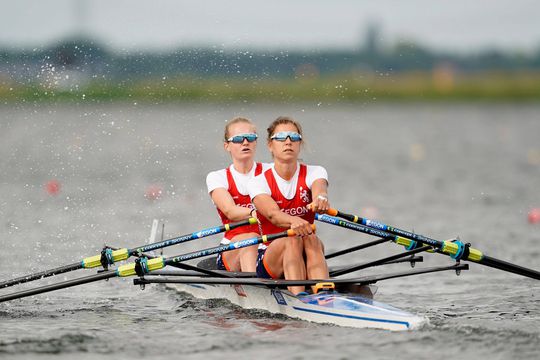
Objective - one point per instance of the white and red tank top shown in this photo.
(239, 200)
(296, 206)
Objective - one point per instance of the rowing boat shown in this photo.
(335, 308)
(350, 308)
(337, 300)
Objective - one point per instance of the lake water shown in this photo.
(442, 170)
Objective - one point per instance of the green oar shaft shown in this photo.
(124, 253)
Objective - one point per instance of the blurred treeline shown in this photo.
(83, 69)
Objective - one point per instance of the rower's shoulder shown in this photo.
(216, 175)
(315, 172)
(315, 168)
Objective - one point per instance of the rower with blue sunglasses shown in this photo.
(228, 190)
(283, 135)
(239, 139)
(287, 196)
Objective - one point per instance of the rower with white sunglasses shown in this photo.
(287, 196)
(228, 190)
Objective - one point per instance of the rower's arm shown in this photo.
(319, 192)
(224, 202)
(267, 207)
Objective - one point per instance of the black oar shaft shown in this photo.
(58, 286)
(474, 254)
(41, 275)
(506, 266)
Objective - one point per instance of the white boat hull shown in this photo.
(349, 310)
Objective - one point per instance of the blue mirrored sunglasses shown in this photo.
(283, 135)
(238, 139)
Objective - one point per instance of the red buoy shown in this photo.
(52, 187)
(153, 192)
(534, 216)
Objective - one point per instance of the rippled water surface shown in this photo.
(441, 170)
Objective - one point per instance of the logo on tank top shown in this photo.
(297, 211)
(304, 195)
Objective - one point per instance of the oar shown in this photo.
(142, 265)
(455, 248)
(110, 256)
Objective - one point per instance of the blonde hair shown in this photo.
(280, 121)
(233, 121)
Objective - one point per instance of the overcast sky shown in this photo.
(462, 25)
